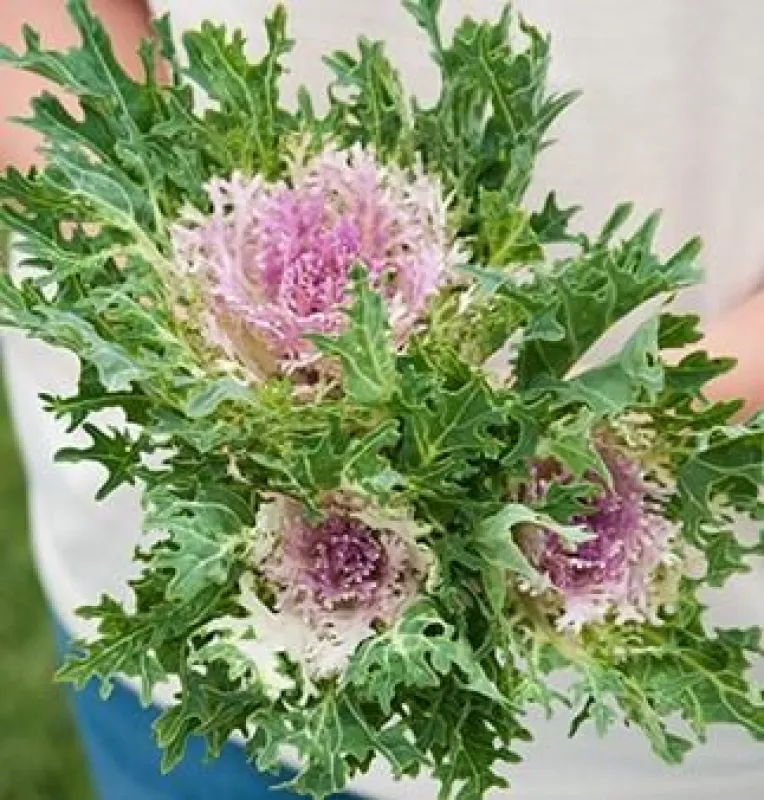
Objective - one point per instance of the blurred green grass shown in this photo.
(40, 757)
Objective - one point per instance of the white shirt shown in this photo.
(672, 117)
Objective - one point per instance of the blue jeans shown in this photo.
(124, 759)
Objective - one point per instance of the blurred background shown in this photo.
(40, 758)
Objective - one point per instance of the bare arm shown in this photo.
(740, 333)
(127, 21)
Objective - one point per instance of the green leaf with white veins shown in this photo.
(702, 677)
(117, 452)
(246, 95)
(205, 401)
(480, 739)
(450, 426)
(365, 350)
(375, 112)
(91, 397)
(570, 442)
(213, 714)
(364, 463)
(99, 191)
(336, 736)
(202, 541)
(417, 652)
(506, 236)
(585, 296)
(493, 539)
(550, 224)
(90, 70)
(600, 687)
(678, 330)
(731, 464)
(102, 660)
(726, 555)
(117, 369)
(632, 376)
(494, 109)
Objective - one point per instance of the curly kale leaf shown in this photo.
(728, 466)
(418, 652)
(118, 452)
(202, 541)
(494, 110)
(573, 305)
(702, 674)
(368, 104)
(248, 115)
(365, 350)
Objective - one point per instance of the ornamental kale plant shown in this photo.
(386, 504)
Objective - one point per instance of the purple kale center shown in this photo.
(628, 540)
(615, 517)
(344, 561)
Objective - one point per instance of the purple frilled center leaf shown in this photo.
(343, 562)
(334, 581)
(612, 573)
(274, 260)
(344, 570)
